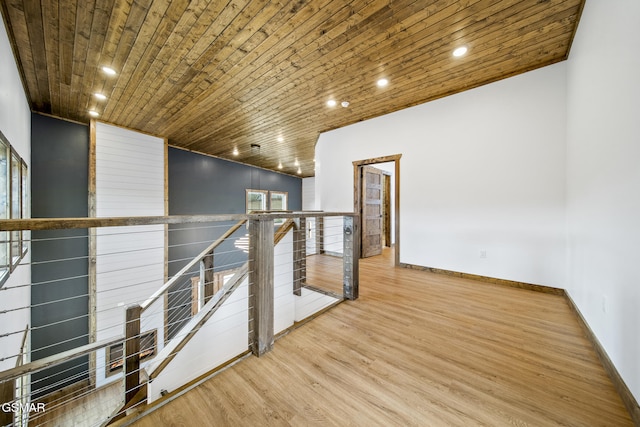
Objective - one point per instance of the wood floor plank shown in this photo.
(415, 349)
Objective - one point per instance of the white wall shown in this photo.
(130, 262)
(603, 179)
(483, 170)
(309, 194)
(223, 337)
(15, 123)
(390, 169)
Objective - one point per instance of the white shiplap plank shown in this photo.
(130, 260)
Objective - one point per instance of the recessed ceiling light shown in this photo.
(93, 113)
(382, 82)
(344, 104)
(331, 103)
(280, 139)
(296, 163)
(280, 165)
(235, 152)
(299, 171)
(100, 96)
(109, 71)
(460, 51)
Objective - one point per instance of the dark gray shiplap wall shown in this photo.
(59, 295)
(207, 185)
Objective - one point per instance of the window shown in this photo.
(256, 200)
(262, 200)
(278, 201)
(115, 359)
(14, 204)
(4, 207)
(198, 291)
(16, 207)
(25, 205)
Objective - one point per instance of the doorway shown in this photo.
(369, 203)
(372, 205)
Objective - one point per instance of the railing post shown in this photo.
(351, 257)
(6, 396)
(299, 255)
(261, 285)
(132, 352)
(320, 235)
(207, 276)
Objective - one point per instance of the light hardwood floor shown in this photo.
(417, 349)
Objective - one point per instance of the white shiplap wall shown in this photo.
(129, 172)
(130, 179)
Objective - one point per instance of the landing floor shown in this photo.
(417, 349)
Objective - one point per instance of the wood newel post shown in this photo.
(299, 255)
(261, 285)
(207, 276)
(351, 257)
(132, 352)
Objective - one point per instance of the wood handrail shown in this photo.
(69, 223)
(283, 230)
(145, 305)
(57, 359)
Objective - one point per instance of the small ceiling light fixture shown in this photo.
(382, 82)
(109, 71)
(296, 163)
(460, 51)
(93, 113)
(331, 103)
(299, 171)
(280, 165)
(100, 96)
(344, 104)
(280, 139)
(235, 152)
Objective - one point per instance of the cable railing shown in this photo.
(155, 303)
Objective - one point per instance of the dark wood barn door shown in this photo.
(371, 211)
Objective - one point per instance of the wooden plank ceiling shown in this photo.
(219, 75)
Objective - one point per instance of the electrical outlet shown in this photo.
(483, 254)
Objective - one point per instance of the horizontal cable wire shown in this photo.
(181, 295)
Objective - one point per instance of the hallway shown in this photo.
(416, 349)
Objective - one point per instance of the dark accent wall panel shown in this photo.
(59, 295)
(201, 184)
(204, 185)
